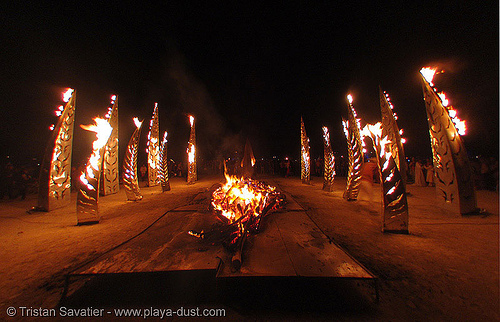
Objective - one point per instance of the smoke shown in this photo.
(184, 94)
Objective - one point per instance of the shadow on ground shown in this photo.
(251, 297)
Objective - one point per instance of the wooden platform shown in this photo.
(289, 244)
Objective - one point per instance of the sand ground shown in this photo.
(447, 268)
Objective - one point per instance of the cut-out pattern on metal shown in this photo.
(54, 183)
(110, 169)
(87, 206)
(305, 156)
(391, 130)
(355, 154)
(192, 175)
(130, 181)
(163, 169)
(452, 169)
(329, 162)
(394, 204)
(153, 148)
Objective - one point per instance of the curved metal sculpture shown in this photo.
(153, 148)
(248, 162)
(163, 169)
(54, 182)
(329, 171)
(192, 175)
(87, 210)
(110, 171)
(355, 153)
(130, 182)
(394, 204)
(391, 130)
(305, 156)
(452, 169)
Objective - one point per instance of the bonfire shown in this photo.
(240, 206)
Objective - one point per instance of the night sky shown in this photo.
(245, 71)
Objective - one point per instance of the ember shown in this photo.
(240, 205)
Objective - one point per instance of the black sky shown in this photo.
(245, 70)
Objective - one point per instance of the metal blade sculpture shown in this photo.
(192, 175)
(452, 169)
(248, 162)
(305, 156)
(163, 169)
(355, 153)
(87, 210)
(394, 204)
(391, 130)
(130, 182)
(54, 183)
(110, 178)
(329, 171)
(153, 148)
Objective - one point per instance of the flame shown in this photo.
(374, 131)
(67, 95)
(345, 125)
(349, 98)
(108, 115)
(191, 120)
(137, 123)
(103, 131)
(428, 74)
(191, 153)
(443, 98)
(239, 197)
(326, 135)
(460, 125)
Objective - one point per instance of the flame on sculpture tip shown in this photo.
(443, 98)
(428, 74)
(191, 120)
(349, 98)
(137, 123)
(103, 130)
(67, 95)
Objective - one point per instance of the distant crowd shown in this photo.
(19, 181)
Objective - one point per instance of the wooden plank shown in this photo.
(311, 253)
(166, 246)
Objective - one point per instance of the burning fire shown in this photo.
(191, 120)
(137, 123)
(238, 197)
(241, 204)
(67, 95)
(428, 73)
(191, 153)
(403, 140)
(349, 98)
(103, 131)
(110, 109)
